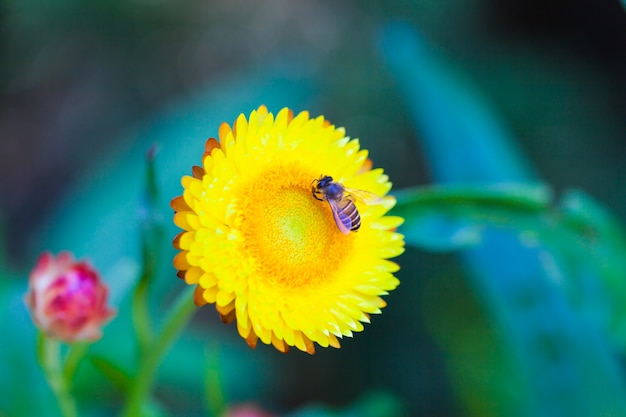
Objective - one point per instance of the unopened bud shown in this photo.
(67, 299)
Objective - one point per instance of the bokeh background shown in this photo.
(87, 86)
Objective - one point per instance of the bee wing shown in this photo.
(343, 221)
(364, 197)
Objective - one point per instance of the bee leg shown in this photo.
(315, 192)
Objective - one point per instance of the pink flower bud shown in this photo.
(67, 298)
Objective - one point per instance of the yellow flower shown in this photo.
(265, 251)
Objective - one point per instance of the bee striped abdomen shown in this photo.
(349, 209)
(341, 202)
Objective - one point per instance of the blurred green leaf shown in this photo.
(152, 237)
(587, 257)
(592, 245)
(376, 404)
(561, 360)
(480, 367)
(463, 139)
(371, 404)
(588, 243)
(117, 376)
(21, 378)
(452, 217)
(586, 261)
(182, 375)
(214, 390)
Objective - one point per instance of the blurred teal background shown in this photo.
(474, 92)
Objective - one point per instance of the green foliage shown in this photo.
(581, 250)
(586, 241)
(18, 359)
(372, 404)
(453, 216)
(479, 366)
(548, 278)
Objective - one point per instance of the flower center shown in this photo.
(291, 236)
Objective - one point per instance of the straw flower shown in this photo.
(267, 251)
(67, 299)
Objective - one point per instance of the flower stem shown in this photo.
(74, 356)
(141, 315)
(50, 360)
(180, 313)
(213, 384)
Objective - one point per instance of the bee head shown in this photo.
(319, 185)
(324, 181)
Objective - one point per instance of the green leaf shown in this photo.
(520, 270)
(587, 257)
(372, 404)
(376, 404)
(114, 373)
(593, 249)
(22, 378)
(479, 366)
(451, 217)
(152, 239)
(461, 134)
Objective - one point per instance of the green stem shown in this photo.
(140, 386)
(518, 196)
(141, 314)
(74, 356)
(50, 360)
(213, 384)
(152, 234)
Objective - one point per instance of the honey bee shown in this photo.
(341, 200)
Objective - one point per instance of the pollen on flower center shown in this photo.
(290, 234)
